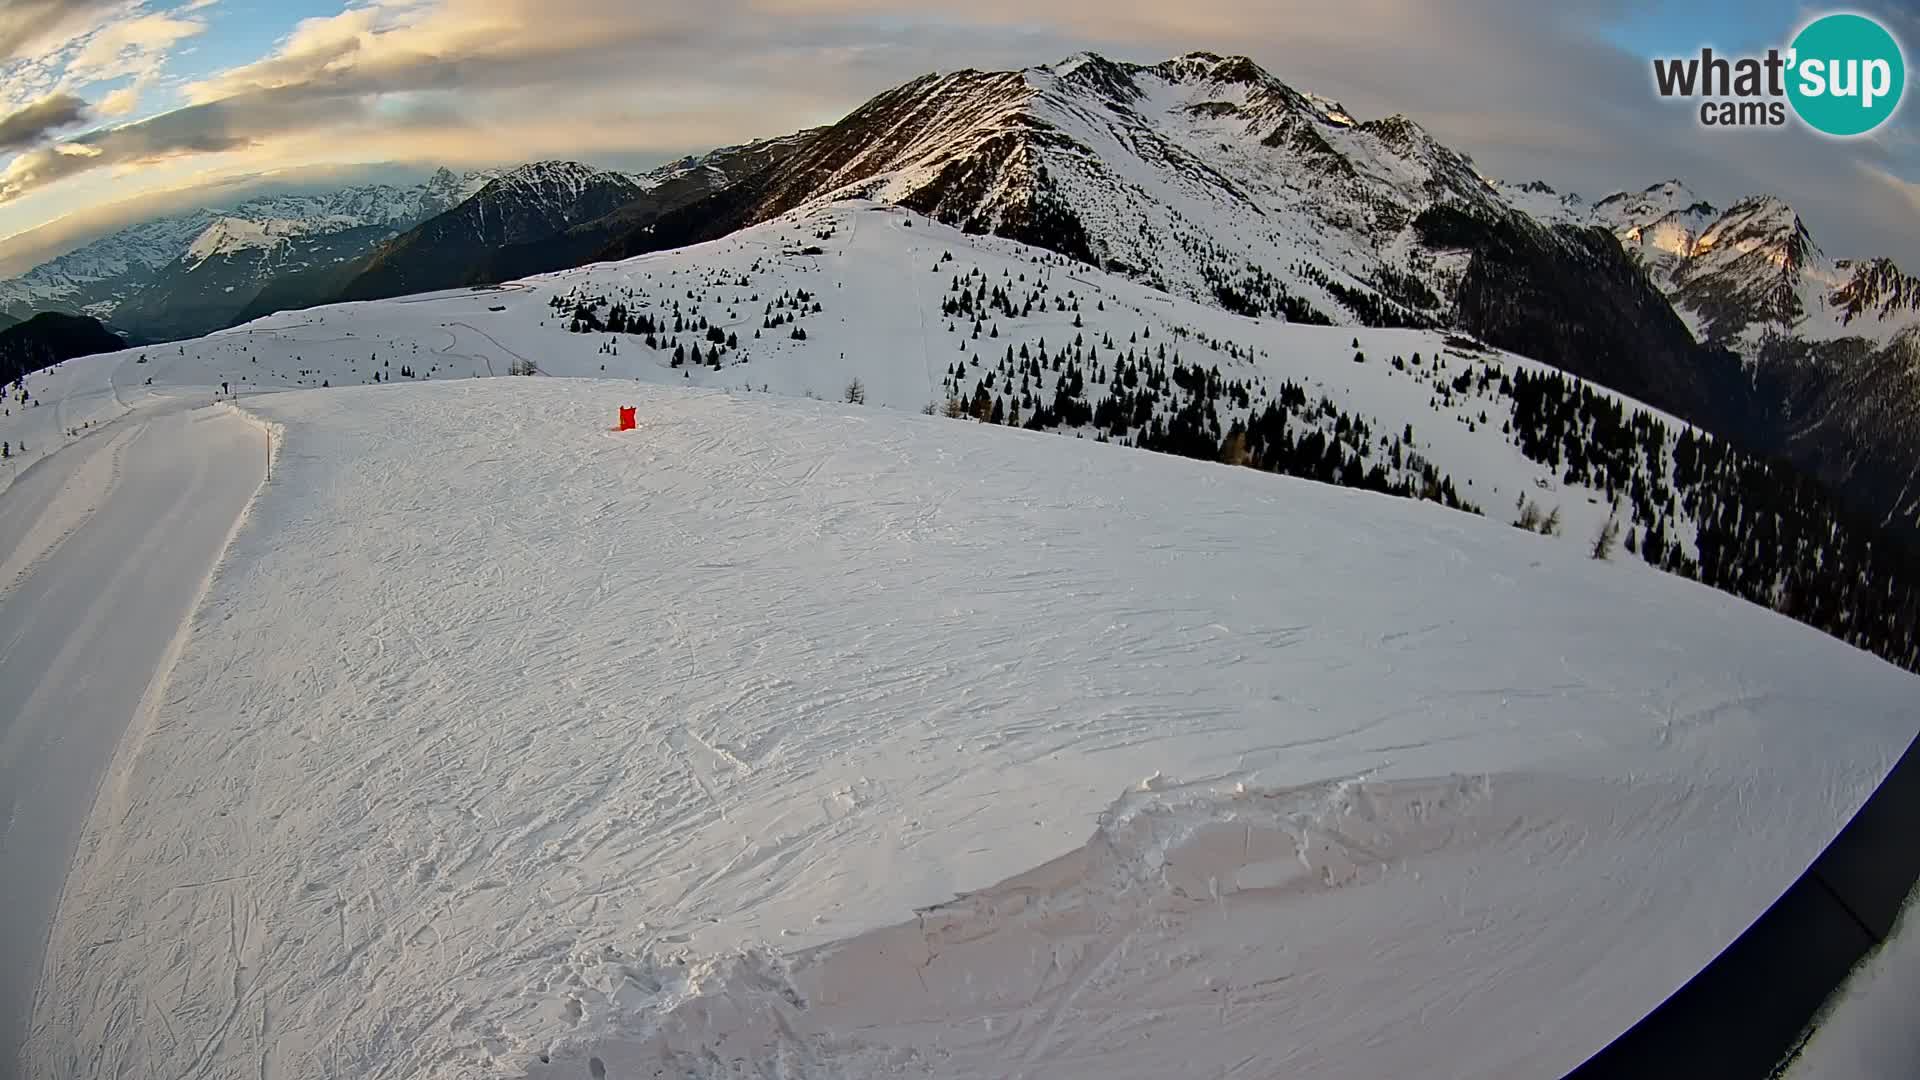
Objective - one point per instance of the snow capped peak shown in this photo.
(1876, 287)
(445, 188)
(552, 182)
(1213, 67)
(230, 234)
(1203, 173)
(1400, 131)
(1766, 210)
(1543, 202)
(1743, 274)
(1093, 73)
(1074, 63)
(548, 173)
(1763, 224)
(549, 170)
(1661, 224)
(1665, 195)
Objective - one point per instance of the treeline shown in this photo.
(706, 343)
(1146, 396)
(1762, 531)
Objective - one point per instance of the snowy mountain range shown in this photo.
(222, 251)
(543, 216)
(1741, 275)
(1204, 177)
(191, 273)
(1065, 729)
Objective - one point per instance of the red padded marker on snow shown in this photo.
(627, 422)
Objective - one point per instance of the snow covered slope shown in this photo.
(1542, 202)
(924, 316)
(883, 280)
(104, 552)
(672, 749)
(1204, 174)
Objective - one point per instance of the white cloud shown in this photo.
(35, 28)
(121, 102)
(130, 46)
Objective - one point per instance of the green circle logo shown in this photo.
(1846, 74)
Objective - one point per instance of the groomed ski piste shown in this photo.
(804, 738)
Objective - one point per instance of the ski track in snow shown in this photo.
(501, 736)
(108, 548)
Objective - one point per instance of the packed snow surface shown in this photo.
(104, 551)
(789, 738)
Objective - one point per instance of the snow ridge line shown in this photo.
(276, 434)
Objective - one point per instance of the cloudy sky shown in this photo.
(112, 108)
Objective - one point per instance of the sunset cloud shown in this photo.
(30, 125)
(30, 28)
(130, 46)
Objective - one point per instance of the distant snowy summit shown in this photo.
(273, 234)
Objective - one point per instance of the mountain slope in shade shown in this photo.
(216, 281)
(545, 216)
(524, 204)
(1573, 298)
(49, 338)
(1807, 357)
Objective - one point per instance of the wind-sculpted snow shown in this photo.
(791, 738)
